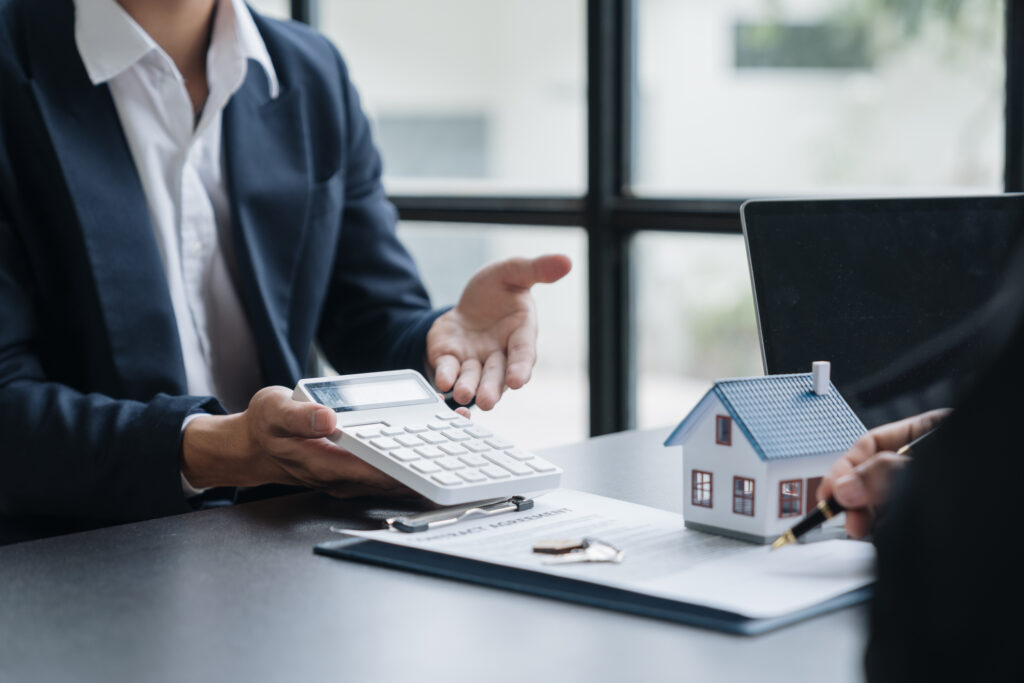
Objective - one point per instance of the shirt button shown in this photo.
(196, 248)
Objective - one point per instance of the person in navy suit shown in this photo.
(190, 208)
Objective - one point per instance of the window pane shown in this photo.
(553, 407)
(723, 428)
(695, 320)
(790, 497)
(743, 496)
(470, 95)
(701, 489)
(748, 97)
(280, 9)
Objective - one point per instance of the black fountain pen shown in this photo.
(827, 509)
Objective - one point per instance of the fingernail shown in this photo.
(321, 421)
(850, 491)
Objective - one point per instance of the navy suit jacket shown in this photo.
(92, 384)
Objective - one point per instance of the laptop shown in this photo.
(892, 291)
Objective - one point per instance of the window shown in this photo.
(470, 97)
(701, 494)
(645, 124)
(723, 430)
(761, 97)
(743, 496)
(790, 498)
(695, 320)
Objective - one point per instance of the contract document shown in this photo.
(668, 571)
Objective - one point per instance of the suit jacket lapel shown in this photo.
(110, 207)
(269, 178)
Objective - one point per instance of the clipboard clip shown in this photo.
(434, 518)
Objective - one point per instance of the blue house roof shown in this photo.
(781, 416)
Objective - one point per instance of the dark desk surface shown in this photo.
(237, 594)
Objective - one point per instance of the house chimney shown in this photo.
(820, 371)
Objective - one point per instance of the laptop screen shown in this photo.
(888, 290)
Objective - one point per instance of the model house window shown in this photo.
(790, 498)
(743, 496)
(701, 489)
(723, 430)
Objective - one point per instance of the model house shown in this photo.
(755, 449)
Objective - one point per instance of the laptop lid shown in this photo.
(889, 290)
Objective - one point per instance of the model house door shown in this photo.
(812, 492)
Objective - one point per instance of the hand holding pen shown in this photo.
(861, 479)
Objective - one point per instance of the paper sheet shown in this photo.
(662, 557)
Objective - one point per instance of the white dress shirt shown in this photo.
(179, 162)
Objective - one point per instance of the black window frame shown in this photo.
(611, 216)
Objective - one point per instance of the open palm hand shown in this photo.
(489, 339)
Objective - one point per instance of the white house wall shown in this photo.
(700, 452)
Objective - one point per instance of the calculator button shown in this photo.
(368, 433)
(408, 440)
(513, 466)
(474, 460)
(519, 454)
(456, 435)
(495, 472)
(438, 426)
(431, 437)
(472, 476)
(415, 429)
(426, 467)
(450, 464)
(403, 455)
(392, 431)
(384, 444)
(429, 451)
(541, 465)
(452, 448)
(447, 479)
(461, 422)
(446, 416)
(500, 444)
(478, 432)
(477, 446)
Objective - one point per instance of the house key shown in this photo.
(583, 550)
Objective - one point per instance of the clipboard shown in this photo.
(570, 590)
(669, 572)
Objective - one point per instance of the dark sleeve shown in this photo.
(65, 453)
(376, 313)
(949, 593)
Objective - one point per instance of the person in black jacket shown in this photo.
(945, 520)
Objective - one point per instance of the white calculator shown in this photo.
(396, 422)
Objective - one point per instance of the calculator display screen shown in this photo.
(366, 393)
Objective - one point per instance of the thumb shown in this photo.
(870, 482)
(525, 273)
(285, 416)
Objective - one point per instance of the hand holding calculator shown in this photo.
(397, 423)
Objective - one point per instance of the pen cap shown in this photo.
(821, 371)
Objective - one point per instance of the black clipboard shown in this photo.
(432, 563)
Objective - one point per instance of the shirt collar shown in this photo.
(109, 41)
